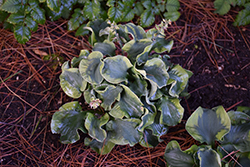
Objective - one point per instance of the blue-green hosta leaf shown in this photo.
(178, 80)
(172, 5)
(129, 105)
(173, 16)
(244, 109)
(100, 147)
(67, 121)
(11, 6)
(207, 125)
(171, 111)
(109, 94)
(243, 17)
(143, 57)
(114, 69)
(147, 119)
(156, 71)
(72, 83)
(54, 5)
(128, 14)
(16, 18)
(22, 33)
(162, 45)
(208, 157)
(38, 14)
(30, 23)
(239, 136)
(89, 94)
(149, 139)
(222, 6)
(76, 20)
(175, 157)
(147, 18)
(137, 32)
(124, 131)
(115, 14)
(238, 118)
(76, 60)
(90, 68)
(135, 49)
(106, 48)
(94, 126)
(92, 9)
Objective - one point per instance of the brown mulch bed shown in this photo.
(205, 43)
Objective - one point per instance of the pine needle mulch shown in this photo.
(30, 92)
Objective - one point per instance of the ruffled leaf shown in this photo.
(67, 121)
(129, 105)
(209, 157)
(156, 71)
(90, 68)
(72, 82)
(94, 126)
(106, 48)
(124, 131)
(114, 69)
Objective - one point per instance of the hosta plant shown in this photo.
(231, 131)
(133, 92)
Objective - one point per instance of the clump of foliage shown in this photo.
(23, 16)
(231, 131)
(134, 95)
(223, 6)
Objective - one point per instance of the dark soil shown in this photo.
(207, 44)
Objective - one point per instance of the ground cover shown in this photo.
(205, 43)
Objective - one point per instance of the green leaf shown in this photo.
(76, 20)
(135, 49)
(156, 71)
(81, 31)
(11, 6)
(129, 105)
(94, 126)
(239, 136)
(30, 23)
(162, 45)
(149, 139)
(137, 32)
(22, 33)
(172, 5)
(54, 5)
(114, 69)
(16, 18)
(90, 68)
(208, 157)
(128, 14)
(222, 6)
(173, 16)
(76, 60)
(138, 9)
(38, 14)
(72, 83)
(124, 131)
(207, 125)
(92, 9)
(147, 18)
(171, 111)
(178, 80)
(106, 48)
(243, 17)
(100, 147)
(175, 157)
(238, 118)
(115, 14)
(147, 119)
(109, 95)
(67, 121)
(3, 16)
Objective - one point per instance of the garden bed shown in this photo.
(205, 43)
